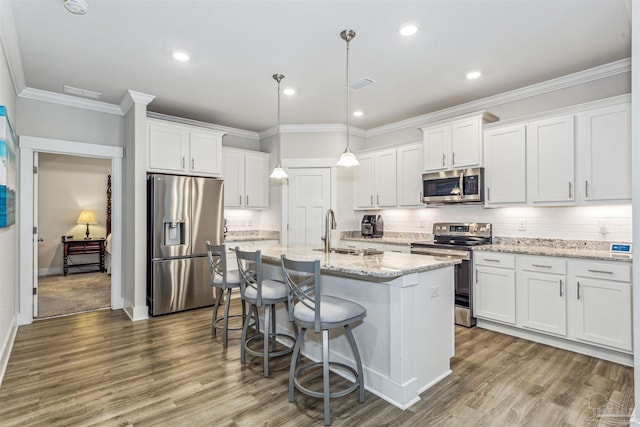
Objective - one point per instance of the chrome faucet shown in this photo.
(329, 224)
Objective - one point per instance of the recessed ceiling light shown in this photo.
(358, 113)
(77, 7)
(408, 29)
(289, 91)
(180, 56)
(473, 75)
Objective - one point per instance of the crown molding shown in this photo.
(11, 47)
(317, 128)
(227, 130)
(70, 101)
(581, 77)
(132, 97)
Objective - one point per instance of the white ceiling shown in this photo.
(236, 46)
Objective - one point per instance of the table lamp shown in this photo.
(87, 217)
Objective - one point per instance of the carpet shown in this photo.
(75, 293)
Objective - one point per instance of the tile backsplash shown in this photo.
(599, 223)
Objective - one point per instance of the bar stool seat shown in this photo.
(261, 293)
(225, 282)
(309, 309)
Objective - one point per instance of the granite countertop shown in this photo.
(556, 251)
(247, 236)
(390, 237)
(387, 240)
(387, 265)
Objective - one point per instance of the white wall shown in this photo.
(67, 185)
(9, 286)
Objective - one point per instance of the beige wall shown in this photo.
(67, 185)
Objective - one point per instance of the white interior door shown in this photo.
(309, 199)
(36, 240)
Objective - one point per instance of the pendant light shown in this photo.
(347, 158)
(278, 171)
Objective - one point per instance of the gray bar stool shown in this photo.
(261, 293)
(311, 310)
(226, 282)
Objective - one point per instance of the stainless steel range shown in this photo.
(456, 240)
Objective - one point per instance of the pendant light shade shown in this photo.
(278, 171)
(347, 158)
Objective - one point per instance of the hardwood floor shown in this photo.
(99, 368)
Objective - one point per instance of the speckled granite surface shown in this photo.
(387, 265)
(244, 236)
(581, 249)
(390, 237)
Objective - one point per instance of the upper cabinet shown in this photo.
(604, 140)
(454, 144)
(409, 161)
(246, 178)
(505, 157)
(183, 149)
(550, 160)
(375, 179)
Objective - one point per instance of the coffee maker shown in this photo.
(371, 226)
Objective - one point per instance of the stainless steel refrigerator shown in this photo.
(183, 212)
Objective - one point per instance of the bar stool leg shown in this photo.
(225, 331)
(356, 355)
(294, 360)
(245, 327)
(219, 293)
(325, 375)
(273, 327)
(267, 324)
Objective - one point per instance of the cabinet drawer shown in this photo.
(543, 264)
(604, 270)
(494, 259)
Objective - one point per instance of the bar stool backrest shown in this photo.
(217, 264)
(303, 280)
(250, 269)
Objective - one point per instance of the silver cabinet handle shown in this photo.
(193, 163)
(488, 194)
(578, 290)
(453, 159)
(240, 199)
(443, 156)
(586, 188)
(491, 260)
(476, 276)
(561, 288)
(600, 271)
(247, 200)
(541, 266)
(377, 199)
(420, 199)
(183, 162)
(371, 197)
(570, 190)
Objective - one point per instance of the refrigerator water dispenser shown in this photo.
(173, 233)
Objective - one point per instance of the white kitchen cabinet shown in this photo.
(455, 144)
(604, 143)
(410, 169)
(183, 149)
(603, 304)
(550, 160)
(542, 294)
(505, 165)
(375, 180)
(495, 287)
(246, 178)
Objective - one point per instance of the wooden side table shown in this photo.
(83, 247)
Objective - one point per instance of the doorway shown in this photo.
(65, 187)
(309, 199)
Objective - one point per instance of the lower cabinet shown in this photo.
(495, 287)
(582, 301)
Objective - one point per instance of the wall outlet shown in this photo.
(602, 227)
(435, 291)
(522, 225)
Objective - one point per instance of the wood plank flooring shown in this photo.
(99, 368)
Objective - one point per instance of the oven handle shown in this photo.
(461, 184)
(464, 256)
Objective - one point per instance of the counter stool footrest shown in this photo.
(271, 353)
(333, 394)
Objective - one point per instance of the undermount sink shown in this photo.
(354, 251)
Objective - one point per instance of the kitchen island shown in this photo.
(407, 338)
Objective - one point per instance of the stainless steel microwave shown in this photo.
(456, 186)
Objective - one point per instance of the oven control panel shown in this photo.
(471, 229)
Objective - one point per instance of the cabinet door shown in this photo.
(410, 166)
(605, 145)
(542, 302)
(603, 312)
(466, 143)
(495, 294)
(205, 152)
(168, 147)
(385, 178)
(233, 175)
(436, 143)
(256, 184)
(364, 182)
(550, 159)
(505, 161)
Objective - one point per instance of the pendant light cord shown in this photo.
(348, 95)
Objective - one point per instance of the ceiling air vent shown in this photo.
(82, 92)
(363, 82)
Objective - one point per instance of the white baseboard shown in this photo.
(7, 346)
(136, 313)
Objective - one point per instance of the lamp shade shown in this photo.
(87, 217)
